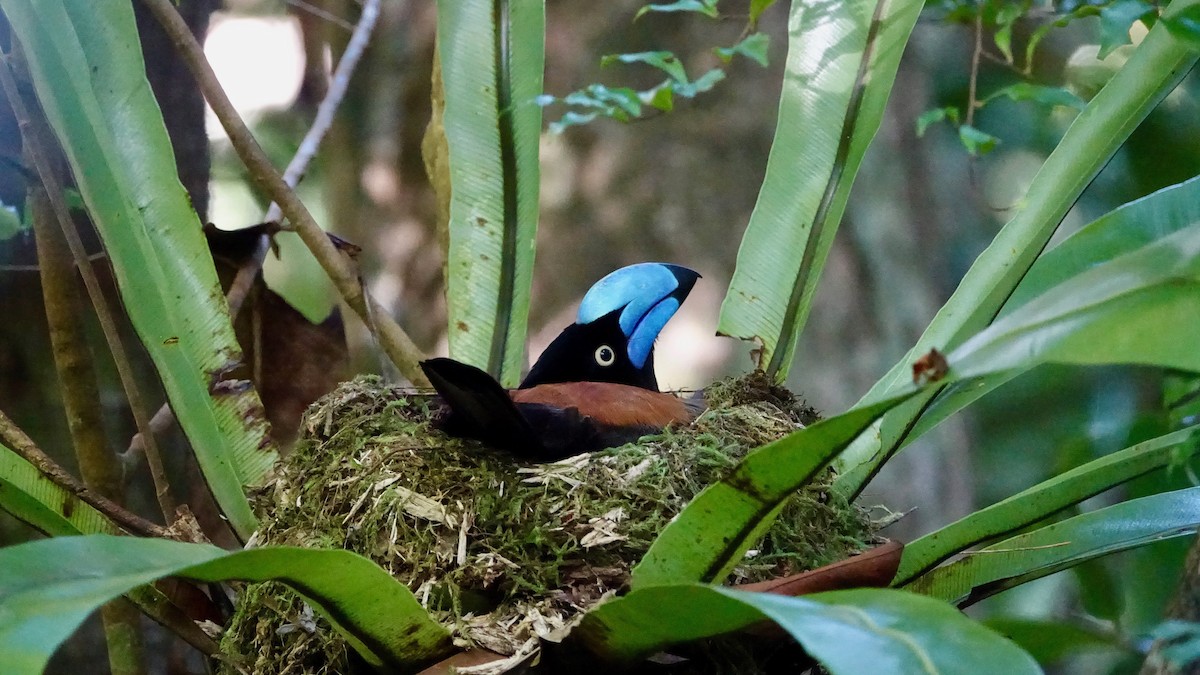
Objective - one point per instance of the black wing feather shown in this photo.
(480, 408)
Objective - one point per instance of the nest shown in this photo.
(502, 551)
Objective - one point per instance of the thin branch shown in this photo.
(18, 442)
(243, 281)
(156, 605)
(972, 103)
(159, 423)
(296, 168)
(395, 342)
(149, 600)
(338, 85)
(320, 13)
(33, 135)
(93, 257)
(81, 402)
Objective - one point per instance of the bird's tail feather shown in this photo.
(480, 408)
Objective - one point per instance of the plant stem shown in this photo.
(340, 82)
(395, 342)
(16, 440)
(243, 281)
(338, 85)
(37, 138)
(81, 400)
(972, 103)
(123, 637)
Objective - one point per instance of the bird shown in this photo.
(592, 388)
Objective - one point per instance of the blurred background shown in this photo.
(680, 187)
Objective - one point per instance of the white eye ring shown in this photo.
(605, 356)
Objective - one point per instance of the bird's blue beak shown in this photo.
(648, 294)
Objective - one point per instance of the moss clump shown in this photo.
(500, 550)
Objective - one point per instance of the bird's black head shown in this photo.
(591, 352)
(613, 338)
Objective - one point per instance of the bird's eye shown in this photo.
(605, 355)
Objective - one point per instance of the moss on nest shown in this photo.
(501, 550)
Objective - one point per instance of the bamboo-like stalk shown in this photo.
(72, 357)
(396, 343)
(81, 401)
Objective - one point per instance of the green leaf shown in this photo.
(492, 56)
(871, 630)
(1044, 499)
(1112, 313)
(1120, 231)
(10, 222)
(621, 104)
(1006, 16)
(1035, 39)
(1115, 20)
(706, 7)
(935, 115)
(49, 587)
(1039, 93)
(87, 69)
(1126, 228)
(1184, 24)
(583, 99)
(664, 61)
(842, 60)
(33, 499)
(661, 97)
(711, 535)
(1100, 591)
(954, 398)
(754, 47)
(1056, 547)
(572, 119)
(36, 501)
(702, 84)
(975, 141)
(849, 632)
(622, 97)
(1174, 629)
(1153, 70)
(1181, 397)
(757, 7)
(1052, 641)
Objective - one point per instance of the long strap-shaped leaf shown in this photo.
(712, 534)
(87, 68)
(1049, 497)
(1113, 313)
(491, 54)
(842, 61)
(1120, 231)
(31, 498)
(49, 587)
(1064, 544)
(1155, 67)
(849, 632)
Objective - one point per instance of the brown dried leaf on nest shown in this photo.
(504, 552)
